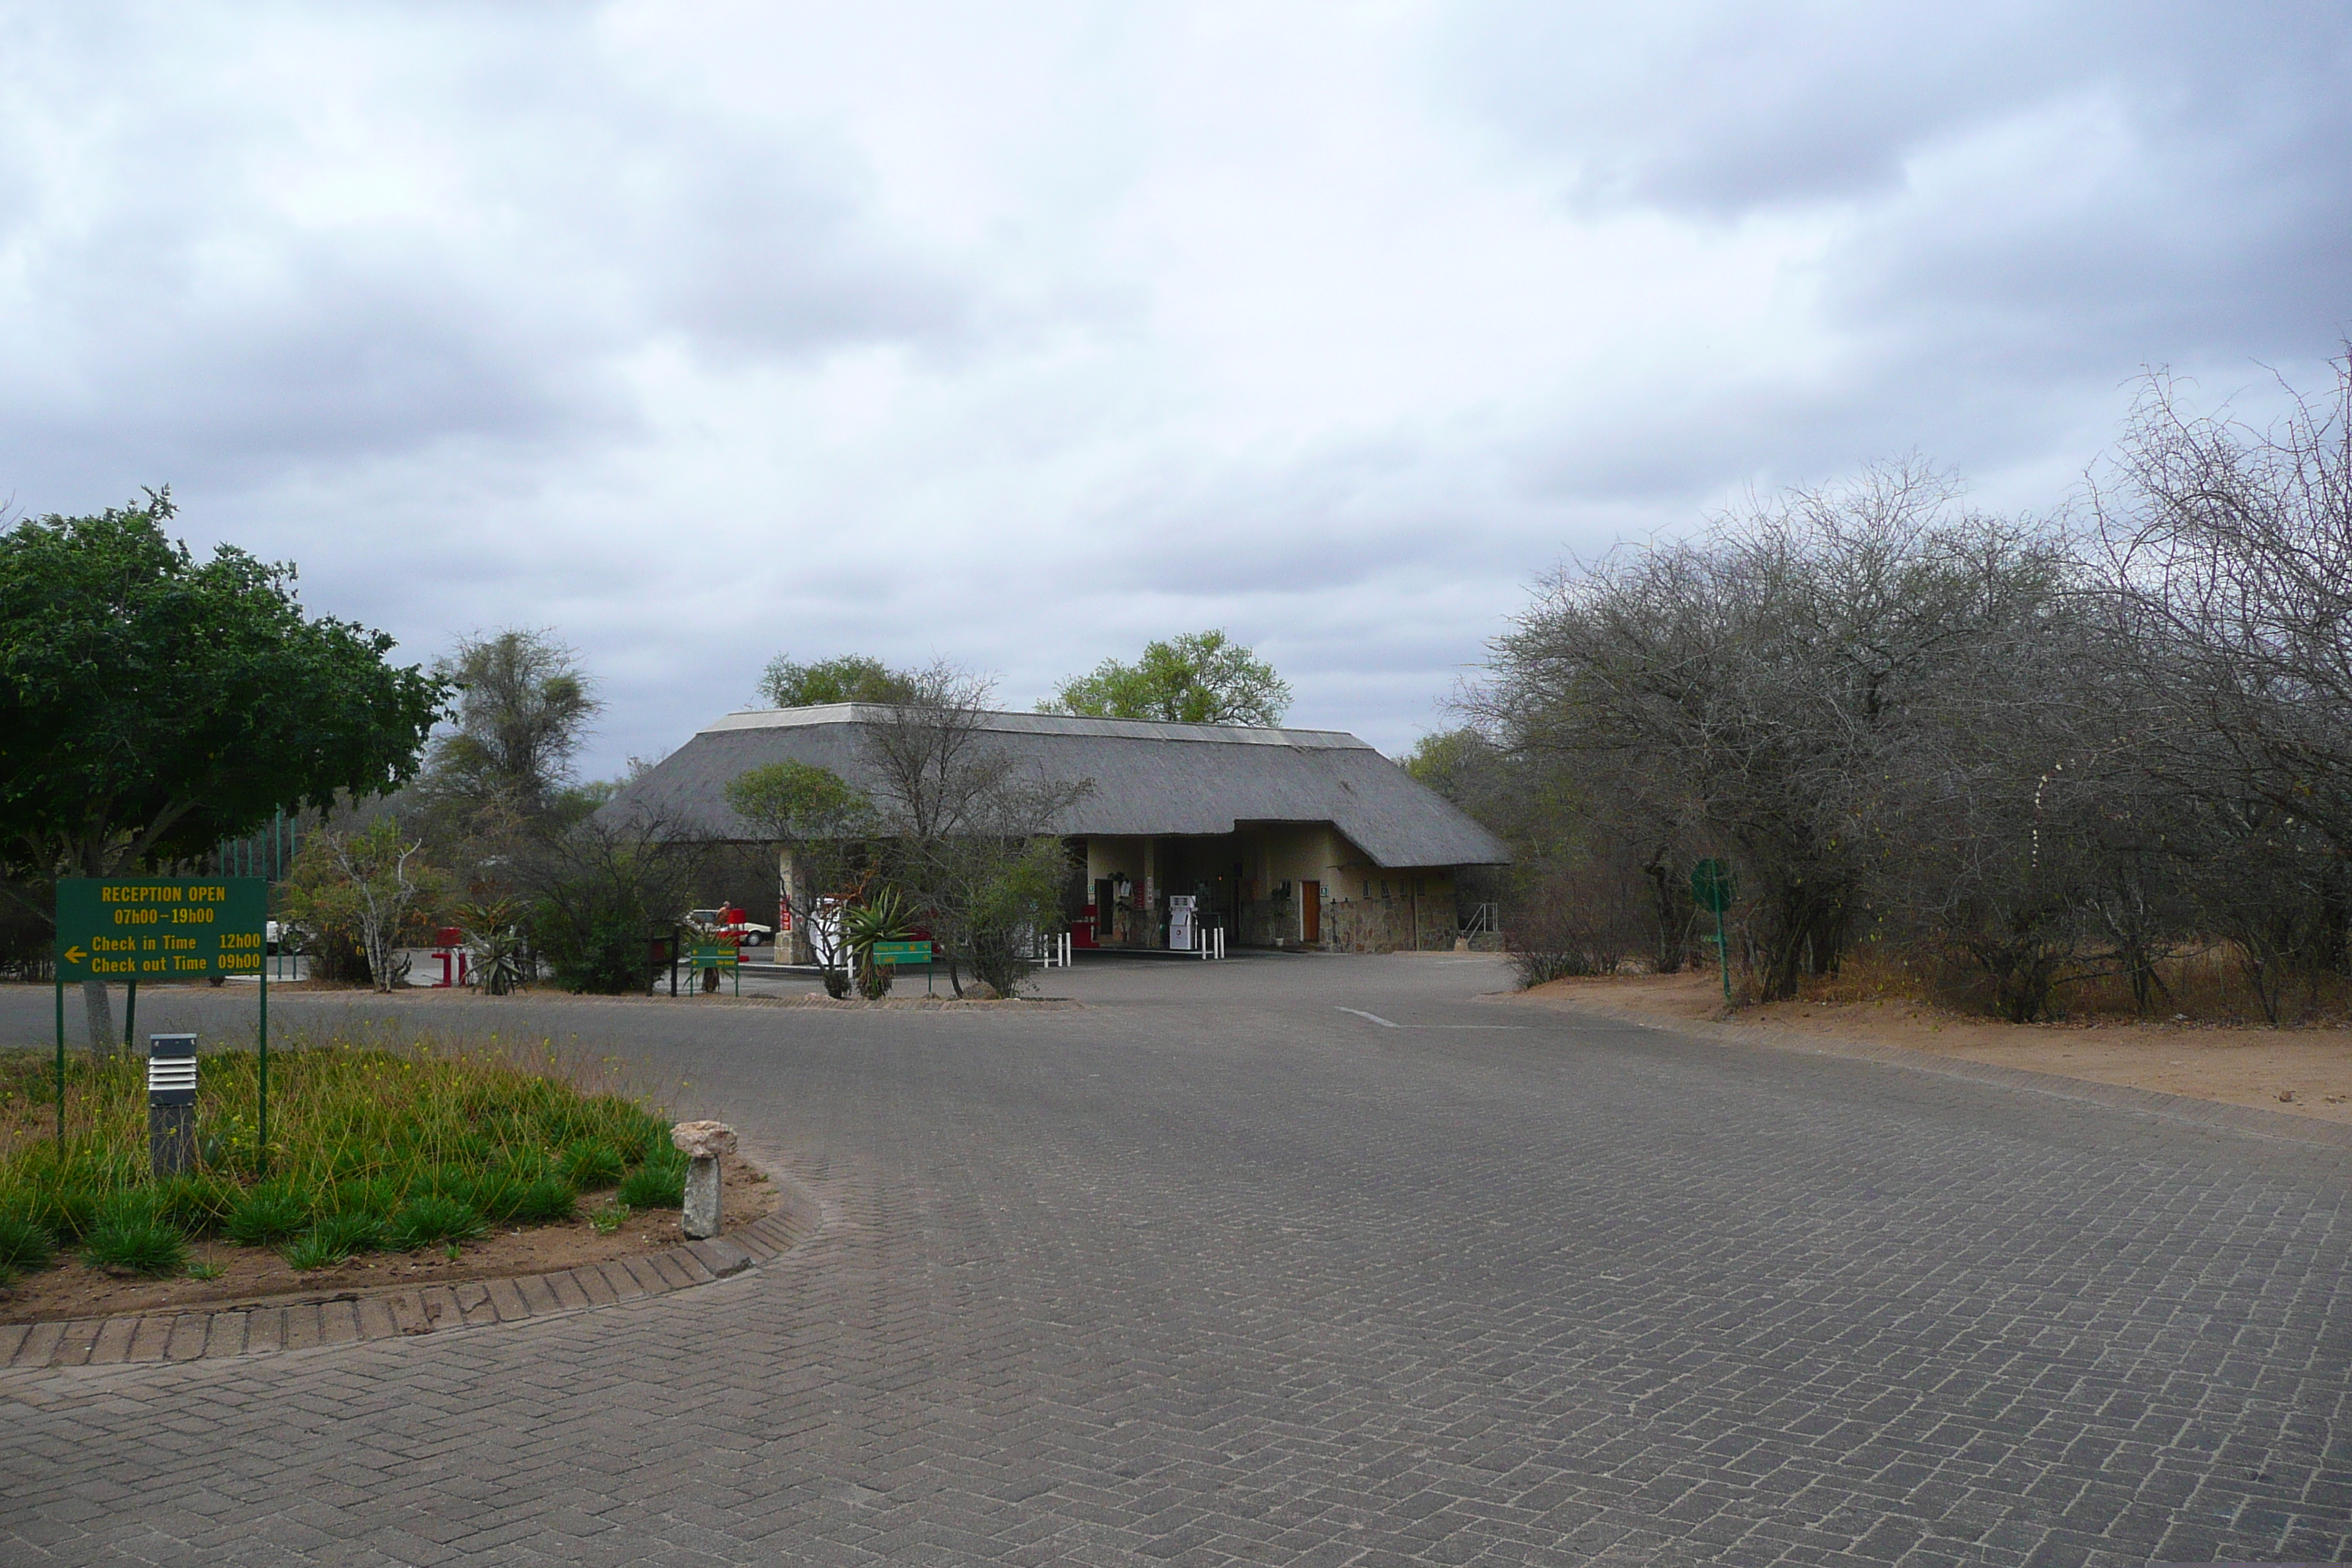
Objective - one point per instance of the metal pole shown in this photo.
(130, 1011)
(1723, 955)
(261, 1140)
(61, 1055)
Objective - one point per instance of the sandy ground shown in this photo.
(70, 1289)
(2305, 1072)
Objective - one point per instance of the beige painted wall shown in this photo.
(1366, 907)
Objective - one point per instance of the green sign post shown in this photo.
(890, 954)
(1712, 888)
(718, 955)
(163, 929)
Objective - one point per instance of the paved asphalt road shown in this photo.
(1213, 1271)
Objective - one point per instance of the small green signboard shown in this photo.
(1712, 889)
(715, 954)
(1711, 886)
(898, 952)
(148, 929)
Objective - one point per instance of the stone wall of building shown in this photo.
(1387, 925)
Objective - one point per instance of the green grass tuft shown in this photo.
(592, 1165)
(199, 1203)
(133, 1208)
(24, 1243)
(136, 1247)
(497, 1196)
(310, 1250)
(374, 1198)
(546, 1201)
(65, 1212)
(268, 1214)
(429, 1219)
(449, 1181)
(656, 1186)
(350, 1231)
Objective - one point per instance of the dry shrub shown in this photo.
(2211, 984)
(2205, 985)
(1583, 919)
(1869, 972)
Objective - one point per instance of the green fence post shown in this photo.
(61, 1056)
(1712, 888)
(1723, 956)
(261, 1138)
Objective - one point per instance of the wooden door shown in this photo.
(1310, 911)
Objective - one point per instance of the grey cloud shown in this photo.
(436, 411)
(754, 262)
(1724, 109)
(170, 318)
(2199, 218)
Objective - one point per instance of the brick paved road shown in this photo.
(1212, 1271)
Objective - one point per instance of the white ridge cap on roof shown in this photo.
(1047, 724)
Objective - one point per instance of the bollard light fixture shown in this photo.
(172, 1103)
(170, 1070)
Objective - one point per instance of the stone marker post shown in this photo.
(703, 1143)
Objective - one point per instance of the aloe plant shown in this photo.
(881, 918)
(492, 931)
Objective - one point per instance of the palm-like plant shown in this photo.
(881, 918)
(492, 931)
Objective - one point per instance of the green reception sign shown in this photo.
(898, 952)
(146, 929)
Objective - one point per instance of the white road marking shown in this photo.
(1385, 1023)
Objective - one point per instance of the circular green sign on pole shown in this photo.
(1711, 886)
(1712, 890)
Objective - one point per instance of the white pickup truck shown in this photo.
(746, 933)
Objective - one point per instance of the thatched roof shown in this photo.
(1148, 778)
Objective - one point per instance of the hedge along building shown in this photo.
(1284, 837)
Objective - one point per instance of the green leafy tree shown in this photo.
(370, 887)
(599, 889)
(852, 677)
(793, 803)
(524, 707)
(819, 823)
(1200, 678)
(1001, 894)
(151, 705)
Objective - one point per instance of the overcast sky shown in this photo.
(1022, 333)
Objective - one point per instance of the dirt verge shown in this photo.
(2301, 1072)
